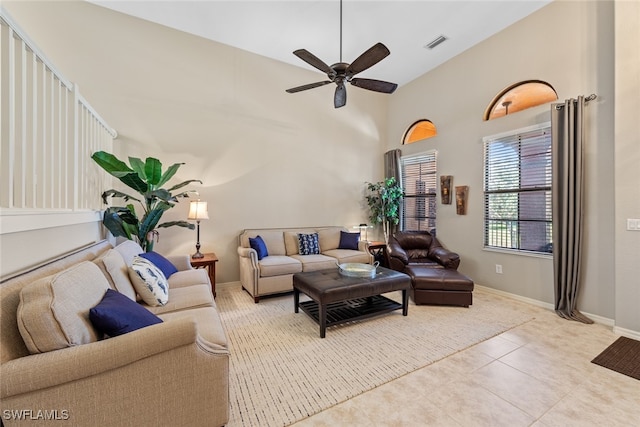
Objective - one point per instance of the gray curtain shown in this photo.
(392, 165)
(392, 169)
(567, 134)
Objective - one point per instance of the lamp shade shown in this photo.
(198, 210)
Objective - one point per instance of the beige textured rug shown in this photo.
(282, 371)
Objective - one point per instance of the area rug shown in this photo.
(281, 371)
(622, 356)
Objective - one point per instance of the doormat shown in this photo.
(622, 356)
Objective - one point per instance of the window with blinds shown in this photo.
(419, 185)
(517, 190)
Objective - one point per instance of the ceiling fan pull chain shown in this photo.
(340, 30)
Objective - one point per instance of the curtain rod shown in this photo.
(586, 99)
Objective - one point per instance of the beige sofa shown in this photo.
(171, 373)
(273, 274)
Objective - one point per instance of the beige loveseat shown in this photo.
(274, 273)
(56, 366)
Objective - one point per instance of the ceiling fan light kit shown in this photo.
(342, 72)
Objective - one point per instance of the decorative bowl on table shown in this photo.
(357, 269)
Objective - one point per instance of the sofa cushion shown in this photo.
(259, 246)
(308, 244)
(417, 254)
(349, 255)
(161, 262)
(116, 315)
(189, 297)
(274, 265)
(210, 329)
(315, 262)
(274, 240)
(149, 281)
(291, 242)
(187, 278)
(118, 271)
(329, 238)
(128, 249)
(348, 240)
(53, 312)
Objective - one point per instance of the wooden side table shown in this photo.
(379, 252)
(208, 262)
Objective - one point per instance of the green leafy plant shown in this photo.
(384, 199)
(145, 177)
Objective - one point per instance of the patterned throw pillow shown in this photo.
(308, 244)
(161, 262)
(149, 281)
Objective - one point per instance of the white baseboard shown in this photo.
(627, 333)
(597, 319)
(515, 297)
(227, 284)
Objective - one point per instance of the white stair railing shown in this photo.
(48, 133)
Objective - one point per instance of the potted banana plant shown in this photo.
(147, 179)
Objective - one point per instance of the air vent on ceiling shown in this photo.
(435, 42)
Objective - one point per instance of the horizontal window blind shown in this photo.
(517, 190)
(419, 185)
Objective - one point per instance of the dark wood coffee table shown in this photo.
(336, 298)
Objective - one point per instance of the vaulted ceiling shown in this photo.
(276, 28)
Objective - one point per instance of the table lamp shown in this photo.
(198, 211)
(365, 228)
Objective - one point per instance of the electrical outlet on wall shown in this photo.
(499, 268)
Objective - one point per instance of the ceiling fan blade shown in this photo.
(309, 86)
(312, 60)
(340, 98)
(375, 85)
(375, 54)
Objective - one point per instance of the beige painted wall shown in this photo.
(266, 158)
(627, 162)
(19, 251)
(569, 45)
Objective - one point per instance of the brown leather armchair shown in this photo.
(421, 248)
(432, 268)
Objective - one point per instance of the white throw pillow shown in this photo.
(149, 281)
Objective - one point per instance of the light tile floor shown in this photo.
(538, 374)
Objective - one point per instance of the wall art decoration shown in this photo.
(445, 189)
(462, 192)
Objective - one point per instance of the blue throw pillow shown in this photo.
(259, 246)
(349, 240)
(309, 244)
(161, 262)
(116, 315)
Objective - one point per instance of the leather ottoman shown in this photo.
(439, 286)
(339, 299)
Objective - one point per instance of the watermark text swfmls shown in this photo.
(36, 414)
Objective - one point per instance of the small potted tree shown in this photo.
(384, 199)
(146, 178)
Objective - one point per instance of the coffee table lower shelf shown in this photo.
(350, 310)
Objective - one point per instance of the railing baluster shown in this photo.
(8, 78)
(48, 133)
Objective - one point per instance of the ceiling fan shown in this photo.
(342, 72)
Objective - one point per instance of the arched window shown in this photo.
(520, 96)
(422, 129)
